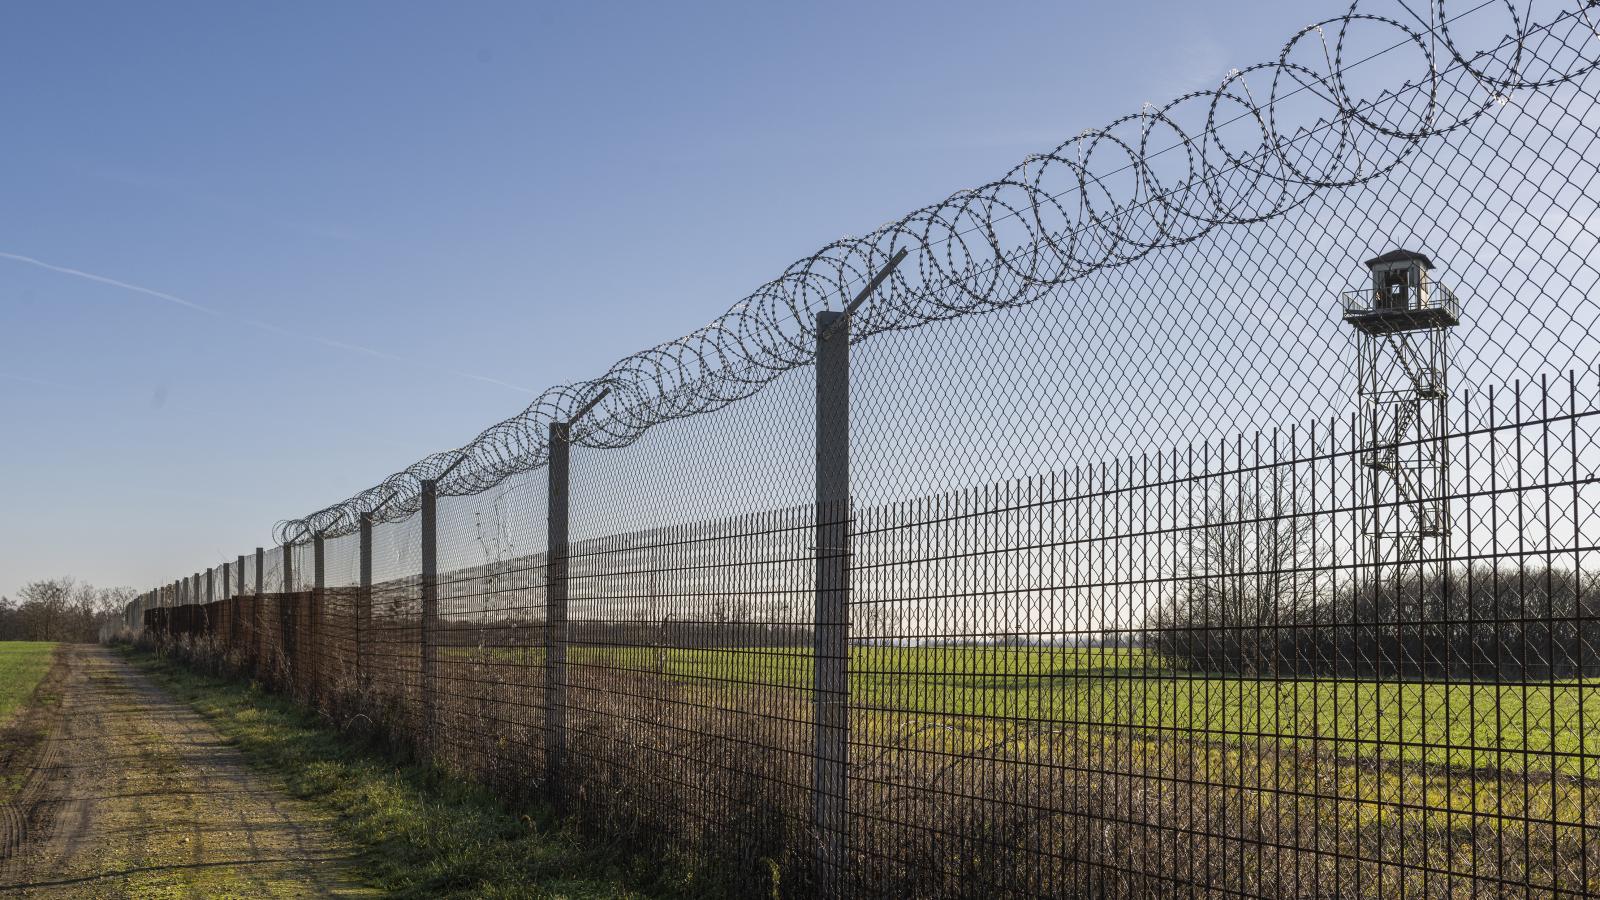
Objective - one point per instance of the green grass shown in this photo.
(422, 834)
(1546, 727)
(1128, 711)
(22, 666)
(1304, 748)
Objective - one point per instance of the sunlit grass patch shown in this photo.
(423, 834)
(1467, 725)
(23, 665)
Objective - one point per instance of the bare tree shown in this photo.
(1249, 580)
(60, 609)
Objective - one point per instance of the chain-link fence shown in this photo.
(1206, 507)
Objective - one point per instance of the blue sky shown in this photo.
(365, 231)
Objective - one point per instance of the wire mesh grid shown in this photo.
(271, 575)
(490, 634)
(393, 673)
(1181, 669)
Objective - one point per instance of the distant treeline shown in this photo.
(60, 609)
(1507, 624)
(1255, 611)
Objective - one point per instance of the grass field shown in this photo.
(1539, 727)
(22, 665)
(1479, 779)
(421, 834)
(1258, 785)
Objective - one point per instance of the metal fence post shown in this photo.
(555, 631)
(430, 611)
(238, 603)
(556, 636)
(830, 812)
(288, 647)
(318, 596)
(364, 600)
(261, 619)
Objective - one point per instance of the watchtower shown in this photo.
(1402, 324)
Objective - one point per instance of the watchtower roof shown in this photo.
(1394, 256)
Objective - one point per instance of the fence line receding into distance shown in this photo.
(1207, 506)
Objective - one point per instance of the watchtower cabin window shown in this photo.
(1404, 297)
(1395, 290)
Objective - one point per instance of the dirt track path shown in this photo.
(135, 796)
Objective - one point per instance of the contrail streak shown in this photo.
(255, 323)
(37, 382)
(90, 276)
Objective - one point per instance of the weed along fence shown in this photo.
(1206, 507)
